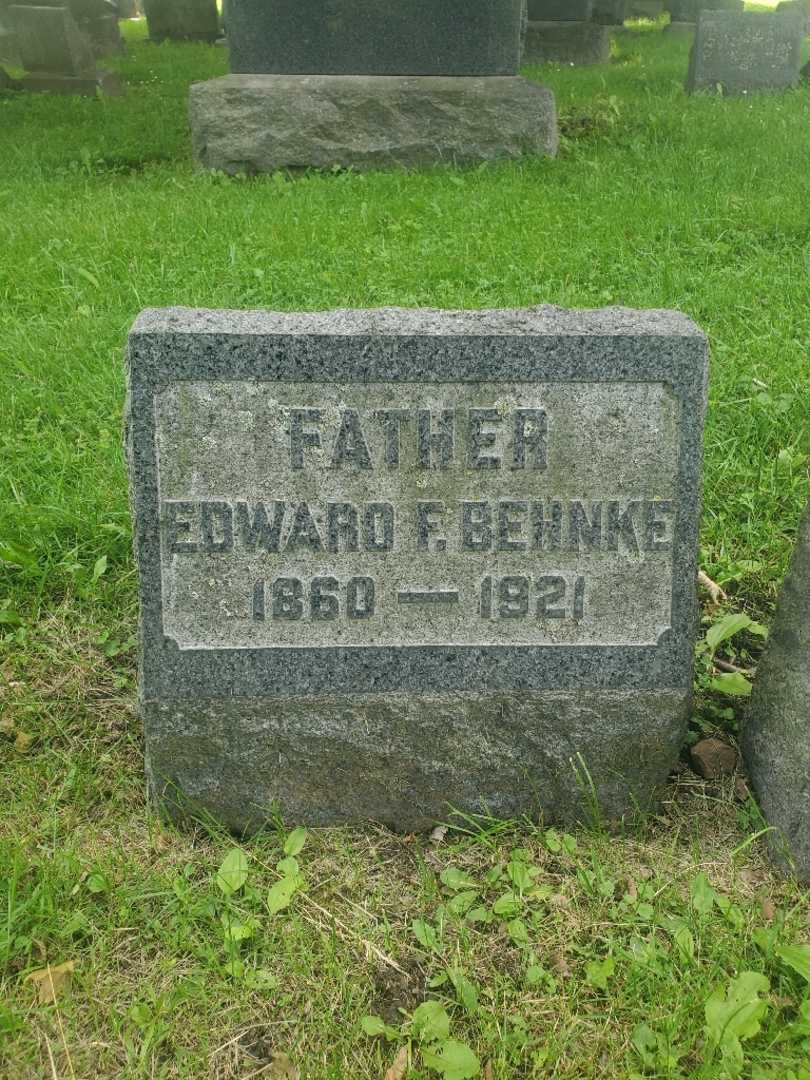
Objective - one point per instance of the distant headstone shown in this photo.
(800, 8)
(578, 43)
(50, 40)
(55, 53)
(365, 37)
(776, 736)
(373, 86)
(684, 13)
(9, 47)
(610, 12)
(396, 562)
(560, 30)
(98, 19)
(560, 10)
(182, 20)
(744, 52)
(646, 9)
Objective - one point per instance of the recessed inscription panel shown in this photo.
(318, 515)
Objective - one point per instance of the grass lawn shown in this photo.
(664, 947)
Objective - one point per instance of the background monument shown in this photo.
(776, 737)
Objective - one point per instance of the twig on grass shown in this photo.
(724, 665)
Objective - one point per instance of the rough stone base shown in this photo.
(262, 123)
(107, 82)
(567, 43)
(407, 760)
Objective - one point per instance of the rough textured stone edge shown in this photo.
(178, 344)
(253, 124)
(775, 748)
(580, 757)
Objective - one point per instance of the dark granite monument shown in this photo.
(394, 562)
(182, 20)
(744, 52)
(371, 86)
(776, 736)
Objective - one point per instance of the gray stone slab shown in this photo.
(776, 736)
(396, 561)
(182, 20)
(262, 123)
(50, 41)
(567, 43)
(744, 52)
(365, 37)
(560, 10)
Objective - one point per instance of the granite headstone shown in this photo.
(56, 54)
(776, 736)
(394, 562)
(610, 12)
(365, 37)
(744, 52)
(182, 20)
(560, 10)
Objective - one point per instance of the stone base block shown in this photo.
(408, 760)
(567, 43)
(262, 123)
(107, 82)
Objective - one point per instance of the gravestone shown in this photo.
(646, 9)
(610, 12)
(684, 13)
(98, 19)
(9, 48)
(799, 8)
(578, 43)
(393, 562)
(374, 85)
(744, 52)
(560, 30)
(560, 10)
(776, 735)
(55, 53)
(182, 20)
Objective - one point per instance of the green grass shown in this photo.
(657, 200)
